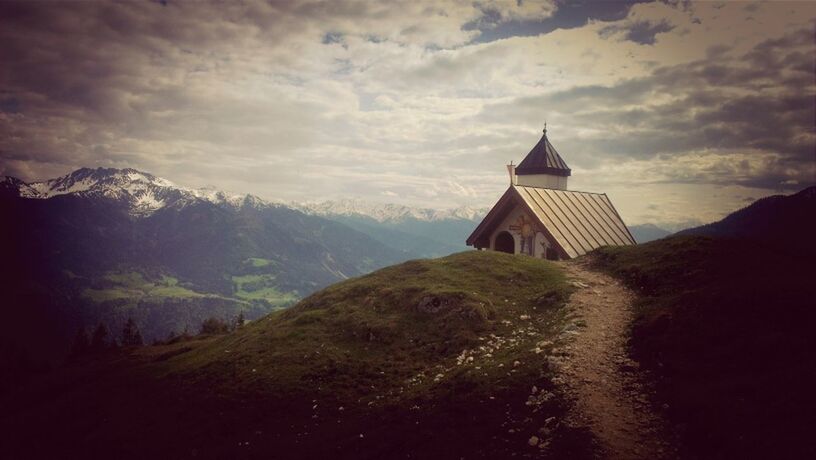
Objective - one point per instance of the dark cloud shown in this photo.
(761, 106)
(91, 77)
(332, 37)
(568, 15)
(10, 105)
(643, 32)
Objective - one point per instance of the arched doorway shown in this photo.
(505, 243)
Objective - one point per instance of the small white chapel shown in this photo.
(539, 217)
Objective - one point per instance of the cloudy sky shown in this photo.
(679, 111)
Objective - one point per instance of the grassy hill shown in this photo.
(429, 358)
(726, 327)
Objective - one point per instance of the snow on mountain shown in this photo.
(220, 197)
(465, 212)
(388, 212)
(14, 185)
(143, 192)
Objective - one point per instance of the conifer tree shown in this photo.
(81, 343)
(131, 336)
(99, 341)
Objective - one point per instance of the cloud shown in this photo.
(539, 18)
(642, 32)
(422, 102)
(759, 104)
(518, 10)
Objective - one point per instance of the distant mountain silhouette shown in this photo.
(418, 232)
(644, 233)
(782, 221)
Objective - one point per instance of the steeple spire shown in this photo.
(543, 159)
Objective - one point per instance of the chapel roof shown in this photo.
(577, 222)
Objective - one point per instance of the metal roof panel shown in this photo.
(578, 221)
(542, 211)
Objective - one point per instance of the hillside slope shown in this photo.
(725, 325)
(425, 359)
(644, 233)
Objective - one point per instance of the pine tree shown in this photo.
(81, 344)
(131, 336)
(99, 341)
(239, 321)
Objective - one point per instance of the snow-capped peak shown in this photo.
(87, 179)
(216, 196)
(388, 212)
(143, 192)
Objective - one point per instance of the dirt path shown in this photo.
(596, 371)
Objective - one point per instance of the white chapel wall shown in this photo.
(511, 220)
(541, 245)
(542, 180)
(504, 226)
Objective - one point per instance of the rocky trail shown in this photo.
(609, 392)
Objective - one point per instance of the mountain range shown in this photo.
(105, 244)
(388, 212)
(101, 245)
(417, 232)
